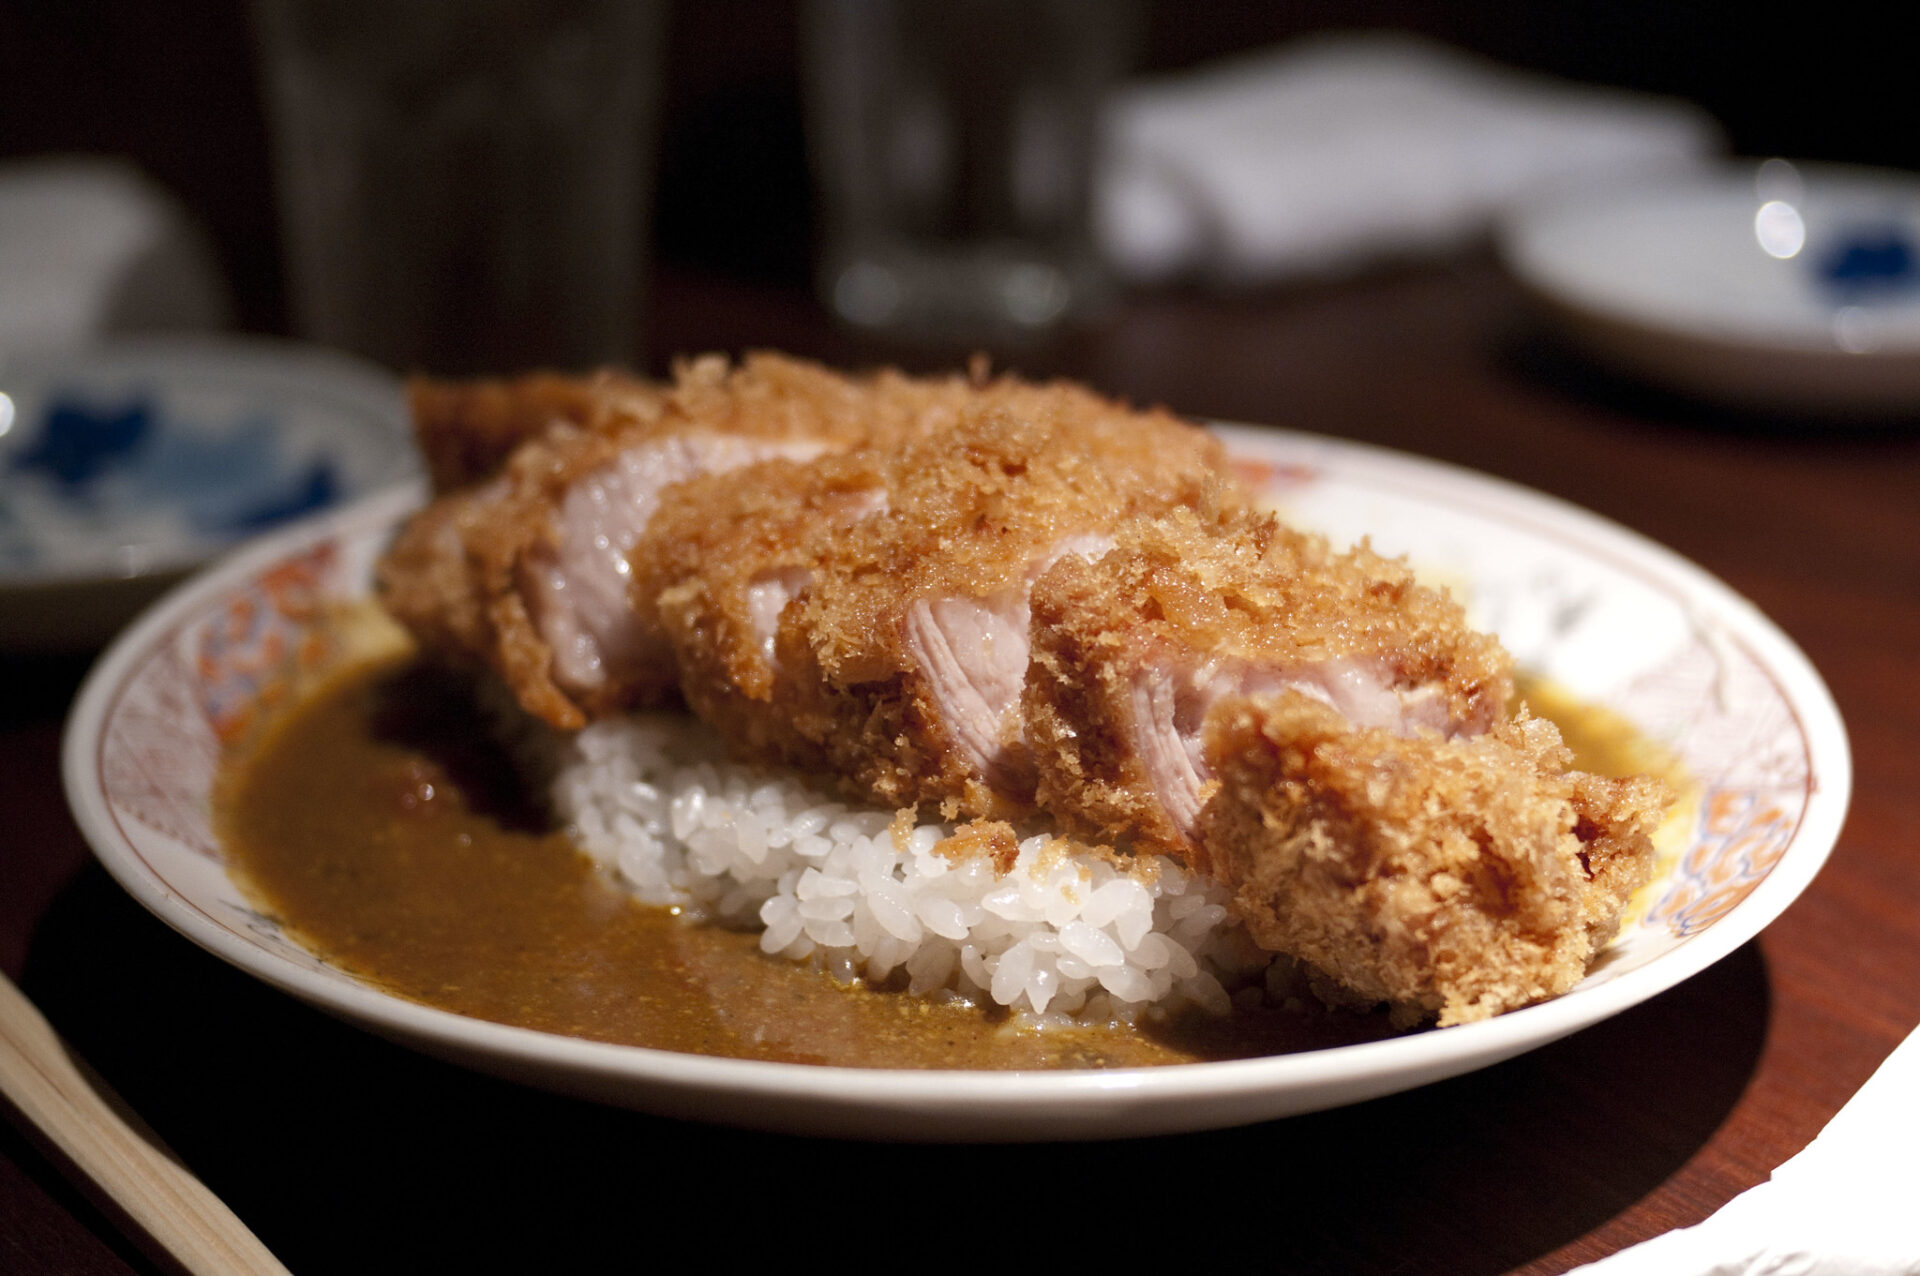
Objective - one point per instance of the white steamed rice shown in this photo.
(1070, 935)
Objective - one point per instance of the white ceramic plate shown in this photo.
(1774, 285)
(124, 465)
(1606, 613)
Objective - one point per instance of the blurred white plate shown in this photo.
(1606, 614)
(124, 465)
(1772, 285)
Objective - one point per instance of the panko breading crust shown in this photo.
(1463, 877)
(466, 430)
(463, 573)
(1197, 602)
(970, 513)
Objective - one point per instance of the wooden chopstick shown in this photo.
(77, 1114)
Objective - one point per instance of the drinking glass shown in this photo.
(954, 145)
(463, 186)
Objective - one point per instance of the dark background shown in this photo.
(172, 86)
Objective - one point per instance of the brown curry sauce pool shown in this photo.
(369, 822)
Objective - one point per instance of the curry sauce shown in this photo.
(380, 827)
(379, 824)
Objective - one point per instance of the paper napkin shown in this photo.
(1847, 1205)
(1328, 154)
(90, 247)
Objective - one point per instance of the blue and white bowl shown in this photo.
(1778, 286)
(122, 466)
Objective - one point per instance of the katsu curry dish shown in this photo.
(954, 721)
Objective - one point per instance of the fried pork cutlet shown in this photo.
(1009, 599)
(1460, 877)
(1131, 651)
(526, 573)
(466, 430)
(865, 615)
(1327, 738)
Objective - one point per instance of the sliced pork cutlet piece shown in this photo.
(865, 616)
(466, 430)
(1460, 877)
(526, 574)
(432, 577)
(1130, 652)
(428, 580)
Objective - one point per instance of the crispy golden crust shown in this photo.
(466, 430)
(1462, 878)
(461, 575)
(966, 513)
(454, 575)
(426, 580)
(1184, 594)
(448, 575)
(972, 509)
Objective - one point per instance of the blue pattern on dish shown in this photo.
(77, 444)
(1869, 263)
(99, 462)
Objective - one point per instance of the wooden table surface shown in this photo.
(348, 1154)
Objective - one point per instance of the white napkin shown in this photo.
(89, 247)
(1847, 1205)
(1327, 154)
